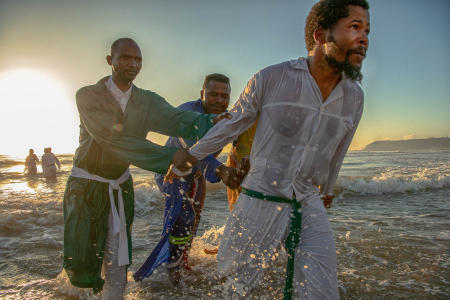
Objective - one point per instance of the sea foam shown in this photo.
(395, 182)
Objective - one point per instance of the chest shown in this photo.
(297, 111)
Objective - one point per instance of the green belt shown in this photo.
(179, 240)
(293, 237)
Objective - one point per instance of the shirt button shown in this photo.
(322, 109)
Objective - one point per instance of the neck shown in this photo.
(122, 85)
(322, 72)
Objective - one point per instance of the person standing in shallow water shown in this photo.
(115, 117)
(30, 163)
(308, 110)
(49, 162)
(185, 196)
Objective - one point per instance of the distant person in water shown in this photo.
(49, 162)
(30, 163)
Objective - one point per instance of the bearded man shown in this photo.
(308, 110)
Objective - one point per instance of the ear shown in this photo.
(109, 60)
(320, 36)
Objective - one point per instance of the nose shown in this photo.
(364, 39)
(223, 99)
(132, 63)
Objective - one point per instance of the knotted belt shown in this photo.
(119, 223)
(293, 237)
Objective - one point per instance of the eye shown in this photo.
(355, 26)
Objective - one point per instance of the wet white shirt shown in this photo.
(301, 140)
(121, 97)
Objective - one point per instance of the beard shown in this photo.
(351, 71)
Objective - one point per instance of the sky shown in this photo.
(51, 48)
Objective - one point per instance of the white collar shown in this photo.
(117, 93)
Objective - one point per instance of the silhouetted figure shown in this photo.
(30, 163)
(49, 162)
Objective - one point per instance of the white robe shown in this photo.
(300, 143)
(48, 164)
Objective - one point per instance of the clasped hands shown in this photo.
(231, 177)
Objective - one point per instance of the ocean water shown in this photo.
(391, 222)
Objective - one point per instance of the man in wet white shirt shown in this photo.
(308, 111)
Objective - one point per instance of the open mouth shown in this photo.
(360, 52)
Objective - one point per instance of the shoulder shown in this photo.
(84, 92)
(276, 68)
(355, 90)
(146, 96)
(190, 105)
(289, 68)
(87, 93)
(354, 93)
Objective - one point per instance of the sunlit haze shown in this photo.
(37, 112)
(49, 49)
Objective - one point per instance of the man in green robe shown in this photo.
(115, 117)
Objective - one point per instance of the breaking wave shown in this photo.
(395, 182)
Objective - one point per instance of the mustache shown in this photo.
(358, 50)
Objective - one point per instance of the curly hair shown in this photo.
(325, 14)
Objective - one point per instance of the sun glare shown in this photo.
(37, 112)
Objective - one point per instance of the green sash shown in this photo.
(293, 237)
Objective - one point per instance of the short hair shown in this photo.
(325, 14)
(216, 77)
(115, 45)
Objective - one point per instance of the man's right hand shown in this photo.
(243, 166)
(183, 160)
(229, 176)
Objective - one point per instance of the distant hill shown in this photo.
(410, 145)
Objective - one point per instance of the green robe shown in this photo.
(111, 140)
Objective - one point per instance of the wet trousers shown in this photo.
(257, 229)
(187, 223)
(115, 275)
